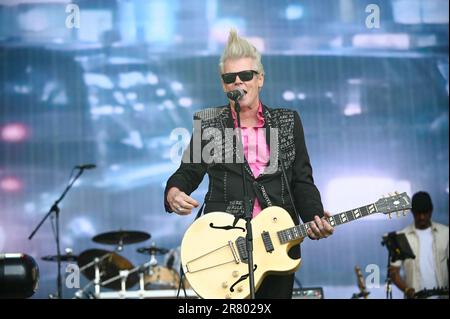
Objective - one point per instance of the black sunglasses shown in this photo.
(246, 75)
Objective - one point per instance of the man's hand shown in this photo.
(179, 202)
(320, 228)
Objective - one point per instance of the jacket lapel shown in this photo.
(270, 123)
(227, 122)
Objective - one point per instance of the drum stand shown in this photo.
(153, 262)
(123, 275)
(96, 282)
(150, 265)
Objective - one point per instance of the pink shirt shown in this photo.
(256, 150)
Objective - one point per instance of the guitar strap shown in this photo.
(200, 211)
(181, 283)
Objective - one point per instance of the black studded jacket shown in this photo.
(221, 161)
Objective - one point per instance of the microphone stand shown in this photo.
(398, 249)
(55, 209)
(388, 277)
(247, 210)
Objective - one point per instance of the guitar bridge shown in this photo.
(236, 258)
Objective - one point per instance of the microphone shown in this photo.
(236, 94)
(86, 166)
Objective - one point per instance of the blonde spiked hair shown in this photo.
(237, 48)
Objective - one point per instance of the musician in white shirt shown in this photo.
(429, 242)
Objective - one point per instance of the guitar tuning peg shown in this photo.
(404, 212)
(398, 214)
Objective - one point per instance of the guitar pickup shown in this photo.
(267, 241)
(242, 249)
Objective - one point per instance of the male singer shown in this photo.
(242, 74)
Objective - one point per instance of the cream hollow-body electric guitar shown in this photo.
(214, 255)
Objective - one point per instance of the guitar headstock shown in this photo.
(394, 203)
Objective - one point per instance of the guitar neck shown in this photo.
(426, 293)
(300, 231)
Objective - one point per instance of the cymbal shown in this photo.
(152, 250)
(121, 237)
(110, 265)
(64, 258)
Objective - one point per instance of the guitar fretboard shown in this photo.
(300, 231)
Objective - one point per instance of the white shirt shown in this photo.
(426, 259)
(440, 254)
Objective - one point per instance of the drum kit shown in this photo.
(108, 269)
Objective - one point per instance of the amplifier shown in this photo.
(307, 293)
(19, 276)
